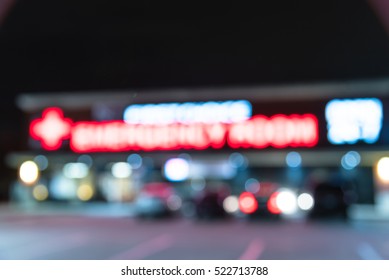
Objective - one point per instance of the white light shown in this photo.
(239, 110)
(121, 170)
(286, 201)
(350, 120)
(189, 112)
(293, 159)
(75, 170)
(305, 201)
(62, 187)
(231, 204)
(350, 160)
(29, 172)
(383, 169)
(176, 169)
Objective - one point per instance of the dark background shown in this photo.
(56, 46)
(85, 45)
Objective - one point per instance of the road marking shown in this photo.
(147, 248)
(367, 252)
(253, 250)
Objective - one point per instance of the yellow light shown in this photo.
(85, 192)
(40, 192)
(383, 169)
(29, 172)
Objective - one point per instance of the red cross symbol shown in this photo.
(51, 129)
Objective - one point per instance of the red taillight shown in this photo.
(247, 203)
(272, 204)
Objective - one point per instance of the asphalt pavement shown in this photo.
(47, 234)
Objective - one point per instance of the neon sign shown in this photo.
(51, 129)
(279, 131)
(351, 120)
(188, 112)
(258, 132)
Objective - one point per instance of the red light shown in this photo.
(258, 132)
(247, 203)
(51, 129)
(279, 131)
(272, 204)
(120, 136)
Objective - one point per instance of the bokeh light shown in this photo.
(287, 202)
(121, 170)
(293, 159)
(231, 204)
(247, 203)
(29, 172)
(85, 192)
(42, 162)
(176, 169)
(40, 192)
(383, 169)
(351, 160)
(305, 201)
(75, 170)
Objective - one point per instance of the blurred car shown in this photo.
(157, 199)
(261, 203)
(208, 203)
(273, 202)
(330, 202)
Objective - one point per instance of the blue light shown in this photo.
(350, 160)
(293, 159)
(87, 159)
(188, 112)
(351, 120)
(42, 162)
(135, 161)
(252, 185)
(237, 160)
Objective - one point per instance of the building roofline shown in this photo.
(30, 102)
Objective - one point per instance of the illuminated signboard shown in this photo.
(352, 120)
(188, 112)
(51, 129)
(279, 131)
(259, 131)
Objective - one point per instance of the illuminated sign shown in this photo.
(51, 129)
(351, 120)
(259, 131)
(188, 112)
(279, 131)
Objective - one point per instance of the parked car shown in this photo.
(208, 204)
(330, 202)
(157, 199)
(262, 203)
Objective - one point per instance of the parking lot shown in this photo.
(66, 234)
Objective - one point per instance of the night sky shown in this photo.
(74, 45)
(54, 46)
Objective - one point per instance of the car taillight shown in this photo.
(247, 203)
(272, 204)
